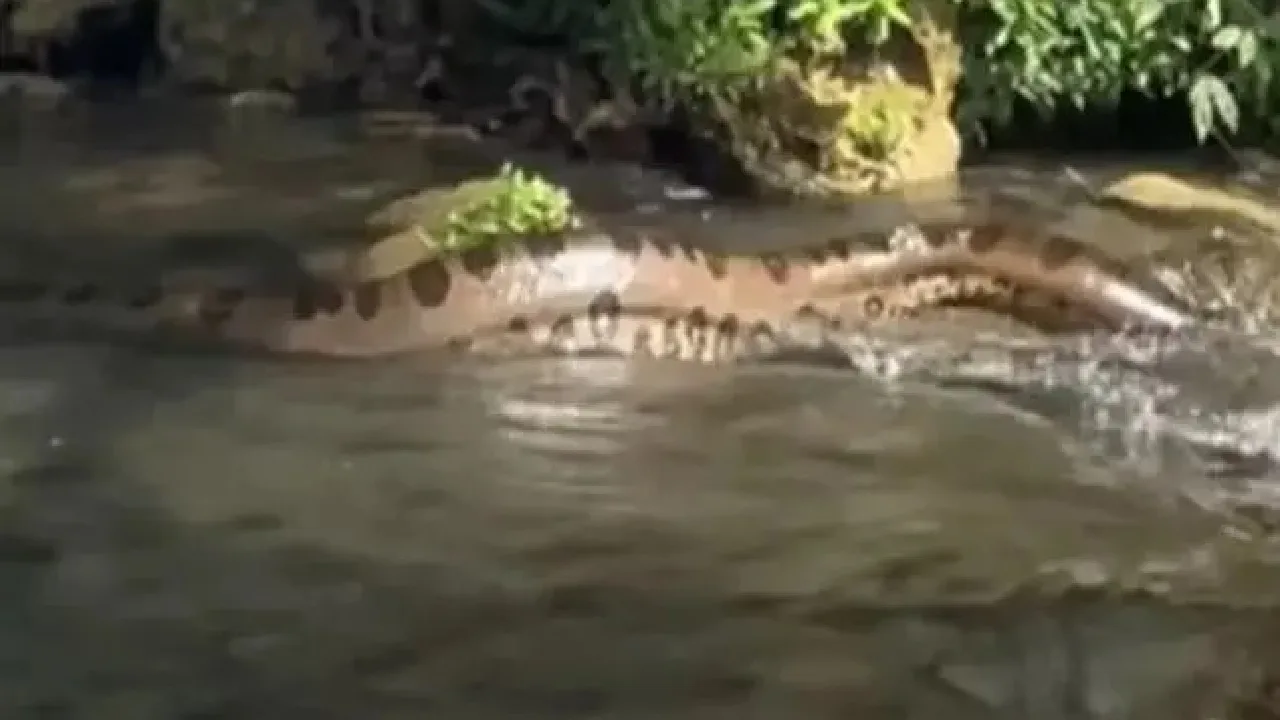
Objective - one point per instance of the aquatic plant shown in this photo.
(513, 203)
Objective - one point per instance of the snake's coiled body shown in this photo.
(643, 295)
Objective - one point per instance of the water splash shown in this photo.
(1206, 400)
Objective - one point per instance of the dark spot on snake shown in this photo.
(1058, 251)
(808, 327)
(329, 297)
(305, 302)
(1062, 304)
(777, 266)
(937, 237)
(430, 283)
(661, 244)
(984, 238)
(698, 318)
(606, 303)
(22, 291)
(1022, 297)
(840, 247)
(518, 324)
(809, 318)
(81, 293)
(729, 326)
(480, 261)
(690, 251)
(368, 299)
(458, 344)
(716, 263)
(672, 248)
(762, 338)
(873, 306)
(562, 326)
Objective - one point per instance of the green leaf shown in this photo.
(1226, 37)
(1247, 49)
(1211, 100)
(1211, 16)
(756, 8)
(1148, 15)
(1226, 107)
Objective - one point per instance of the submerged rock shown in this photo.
(1179, 200)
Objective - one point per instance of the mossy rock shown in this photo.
(865, 122)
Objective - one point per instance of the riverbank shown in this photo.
(833, 99)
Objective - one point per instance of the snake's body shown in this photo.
(589, 292)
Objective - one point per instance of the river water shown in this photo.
(982, 527)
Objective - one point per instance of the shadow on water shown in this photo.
(189, 536)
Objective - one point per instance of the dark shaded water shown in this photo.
(964, 529)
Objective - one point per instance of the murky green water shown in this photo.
(946, 530)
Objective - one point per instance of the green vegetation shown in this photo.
(511, 204)
(508, 204)
(1222, 56)
(832, 96)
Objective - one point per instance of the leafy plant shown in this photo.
(512, 204)
(688, 49)
(1220, 55)
(694, 49)
(824, 24)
